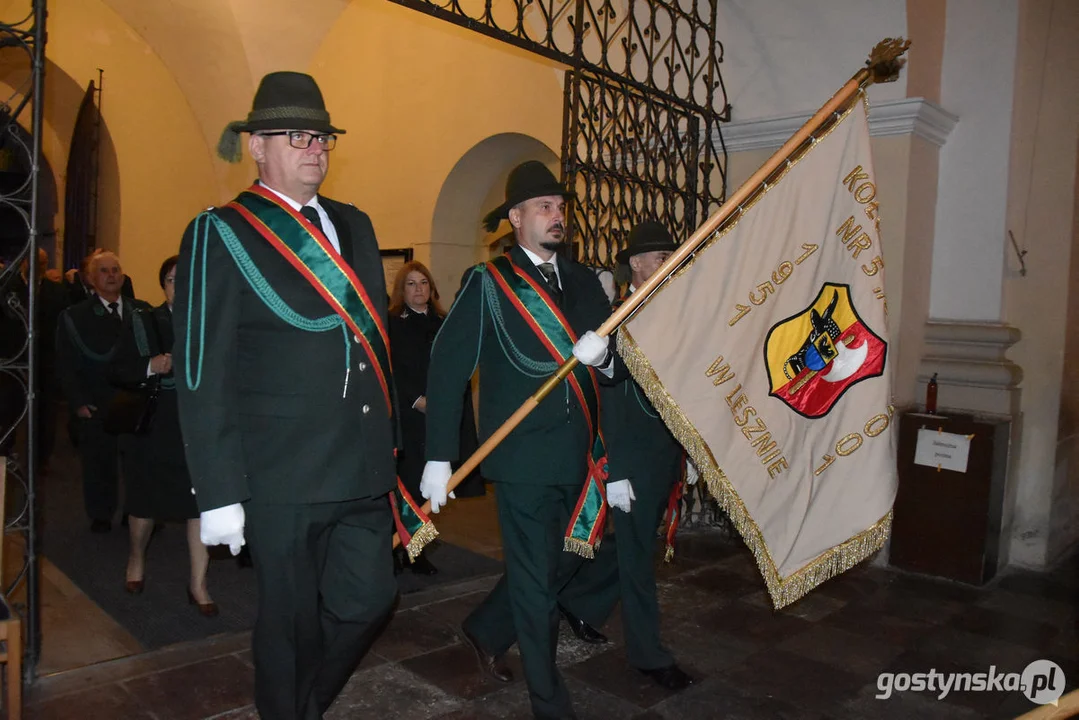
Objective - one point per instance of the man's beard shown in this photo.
(553, 245)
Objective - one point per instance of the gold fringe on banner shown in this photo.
(783, 591)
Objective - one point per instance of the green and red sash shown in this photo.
(414, 529)
(541, 314)
(674, 513)
(306, 248)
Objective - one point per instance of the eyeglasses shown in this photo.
(301, 139)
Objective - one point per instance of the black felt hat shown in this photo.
(283, 101)
(648, 236)
(528, 180)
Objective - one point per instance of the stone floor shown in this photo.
(818, 658)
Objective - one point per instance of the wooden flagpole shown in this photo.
(883, 65)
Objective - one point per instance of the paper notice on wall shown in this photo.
(945, 451)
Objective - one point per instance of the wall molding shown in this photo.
(973, 372)
(909, 116)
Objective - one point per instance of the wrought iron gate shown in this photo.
(642, 115)
(18, 306)
(644, 102)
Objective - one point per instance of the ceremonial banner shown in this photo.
(766, 356)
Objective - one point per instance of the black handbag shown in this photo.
(131, 411)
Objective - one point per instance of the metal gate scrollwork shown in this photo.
(644, 103)
(22, 41)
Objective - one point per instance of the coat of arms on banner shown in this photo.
(814, 356)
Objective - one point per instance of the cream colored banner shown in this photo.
(767, 358)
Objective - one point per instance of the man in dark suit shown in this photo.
(645, 464)
(518, 317)
(86, 337)
(284, 386)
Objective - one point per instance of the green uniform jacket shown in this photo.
(551, 445)
(86, 338)
(272, 419)
(640, 448)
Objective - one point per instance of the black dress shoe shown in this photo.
(492, 665)
(423, 566)
(671, 677)
(101, 526)
(583, 630)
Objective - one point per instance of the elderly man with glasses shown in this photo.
(283, 374)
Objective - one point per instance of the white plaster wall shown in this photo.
(784, 57)
(977, 85)
(1041, 209)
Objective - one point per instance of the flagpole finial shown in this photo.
(885, 60)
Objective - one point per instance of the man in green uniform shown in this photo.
(517, 318)
(645, 463)
(284, 382)
(86, 337)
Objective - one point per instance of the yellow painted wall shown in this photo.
(416, 94)
(162, 174)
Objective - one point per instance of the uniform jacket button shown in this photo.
(363, 366)
(366, 409)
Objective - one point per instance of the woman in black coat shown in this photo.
(415, 317)
(156, 482)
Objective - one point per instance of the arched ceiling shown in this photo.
(218, 49)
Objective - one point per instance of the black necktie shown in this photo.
(114, 310)
(549, 273)
(312, 215)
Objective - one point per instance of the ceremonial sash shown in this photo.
(414, 529)
(674, 512)
(542, 316)
(306, 248)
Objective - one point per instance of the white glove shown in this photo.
(223, 526)
(620, 495)
(591, 349)
(692, 473)
(436, 477)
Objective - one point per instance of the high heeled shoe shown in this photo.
(205, 609)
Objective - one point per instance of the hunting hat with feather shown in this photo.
(528, 180)
(283, 101)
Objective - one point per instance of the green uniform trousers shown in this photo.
(326, 588)
(523, 606)
(624, 569)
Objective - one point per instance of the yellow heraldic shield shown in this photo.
(816, 355)
(766, 355)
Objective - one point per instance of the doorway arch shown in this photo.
(474, 186)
